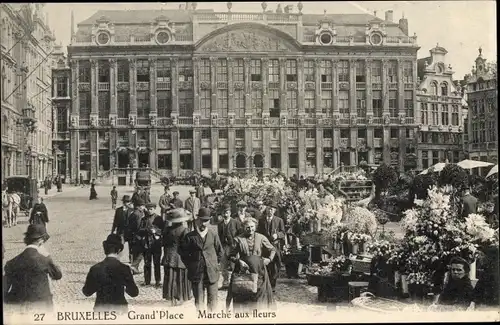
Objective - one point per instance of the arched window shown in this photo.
(444, 89)
(434, 88)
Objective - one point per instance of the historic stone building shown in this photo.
(26, 111)
(196, 90)
(482, 97)
(441, 120)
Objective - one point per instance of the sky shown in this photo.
(461, 27)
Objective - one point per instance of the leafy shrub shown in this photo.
(420, 185)
(383, 178)
(455, 176)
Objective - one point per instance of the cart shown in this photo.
(27, 189)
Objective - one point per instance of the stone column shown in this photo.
(113, 80)
(196, 150)
(385, 112)
(302, 151)
(213, 79)
(153, 156)
(175, 151)
(75, 102)
(214, 140)
(248, 89)
(284, 149)
(231, 150)
(300, 86)
(265, 85)
(419, 159)
(317, 97)
(352, 89)
(196, 86)
(230, 87)
(401, 89)
(75, 157)
(94, 86)
(369, 101)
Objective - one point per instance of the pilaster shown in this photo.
(94, 73)
(152, 87)
(175, 151)
(419, 159)
(175, 92)
(265, 86)
(335, 86)
(231, 150)
(153, 144)
(284, 149)
(317, 79)
(401, 88)
(248, 145)
(402, 148)
(368, 83)
(133, 86)
(94, 153)
(266, 146)
(75, 101)
(196, 86)
(353, 144)
(319, 151)
(230, 86)
(196, 150)
(214, 140)
(302, 151)
(300, 86)
(370, 133)
(385, 87)
(336, 146)
(352, 88)
(248, 103)
(113, 78)
(387, 146)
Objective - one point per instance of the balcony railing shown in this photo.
(239, 143)
(164, 121)
(223, 143)
(327, 142)
(293, 143)
(378, 142)
(142, 121)
(393, 142)
(360, 85)
(257, 144)
(103, 86)
(121, 121)
(205, 143)
(84, 122)
(163, 85)
(185, 120)
(275, 143)
(326, 85)
(310, 142)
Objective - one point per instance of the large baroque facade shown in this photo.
(440, 134)
(196, 90)
(26, 112)
(482, 97)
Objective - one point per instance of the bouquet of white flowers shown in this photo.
(361, 220)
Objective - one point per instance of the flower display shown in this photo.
(357, 238)
(330, 266)
(330, 213)
(380, 248)
(435, 233)
(361, 220)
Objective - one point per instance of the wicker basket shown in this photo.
(245, 284)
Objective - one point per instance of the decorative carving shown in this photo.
(132, 120)
(370, 119)
(354, 120)
(344, 85)
(246, 41)
(205, 85)
(174, 120)
(152, 120)
(142, 86)
(93, 121)
(231, 119)
(256, 85)
(84, 87)
(249, 120)
(131, 63)
(310, 86)
(283, 120)
(123, 86)
(196, 120)
(402, 119)
(387, 119)
(239, 85)
(291, 85)
(112, 61)
(214, 120)
(74, 121)
(450, 127)
(184, 85)
(112, 121)
(336, 120)
(266, 120)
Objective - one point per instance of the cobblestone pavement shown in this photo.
(77, 228)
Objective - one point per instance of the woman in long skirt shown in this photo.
(176, 286)
(93, 192)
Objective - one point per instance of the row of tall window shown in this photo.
(482, 106)
(185, 71)
(484, 131)
(432, 117)
(185, 98)
(441, 90)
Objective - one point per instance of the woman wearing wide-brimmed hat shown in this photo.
(26, 280)
(176, 286)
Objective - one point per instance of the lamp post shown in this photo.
(29, 122)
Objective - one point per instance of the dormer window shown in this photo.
(444, 89)
(103, 38)
(376, 39)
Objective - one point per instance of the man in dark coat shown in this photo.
(241, 214)
(469, 204)
(26, 282)
(134, 239)
(122, 214)
(273, 228)
(164, 201)
(176, 203)
(150, 231)
(200, 191)
(110, 279)
(228, 230)
(201, 252)
(59, 183)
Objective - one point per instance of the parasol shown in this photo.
(470, 164)
(435, 168)
(493, 171)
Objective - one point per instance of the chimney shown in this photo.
(403, 25)
(389, 15)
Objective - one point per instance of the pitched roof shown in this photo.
(141, 16)
(177, 15)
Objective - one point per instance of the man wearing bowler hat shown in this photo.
(241, 214)
(273, 228)
(228, 230)
(134, 238)
(110, 279)
(201, 252)
(193, 205)
(26, 282)
(122, 214)
(176, 203)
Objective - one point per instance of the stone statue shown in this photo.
(112, 121)
(152, 120)
(132, 120)
(283, 120)
(196, 120)
(387, 119)
(93, 121)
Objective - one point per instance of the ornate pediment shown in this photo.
(246, 41)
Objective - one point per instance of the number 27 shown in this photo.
(38, 317)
